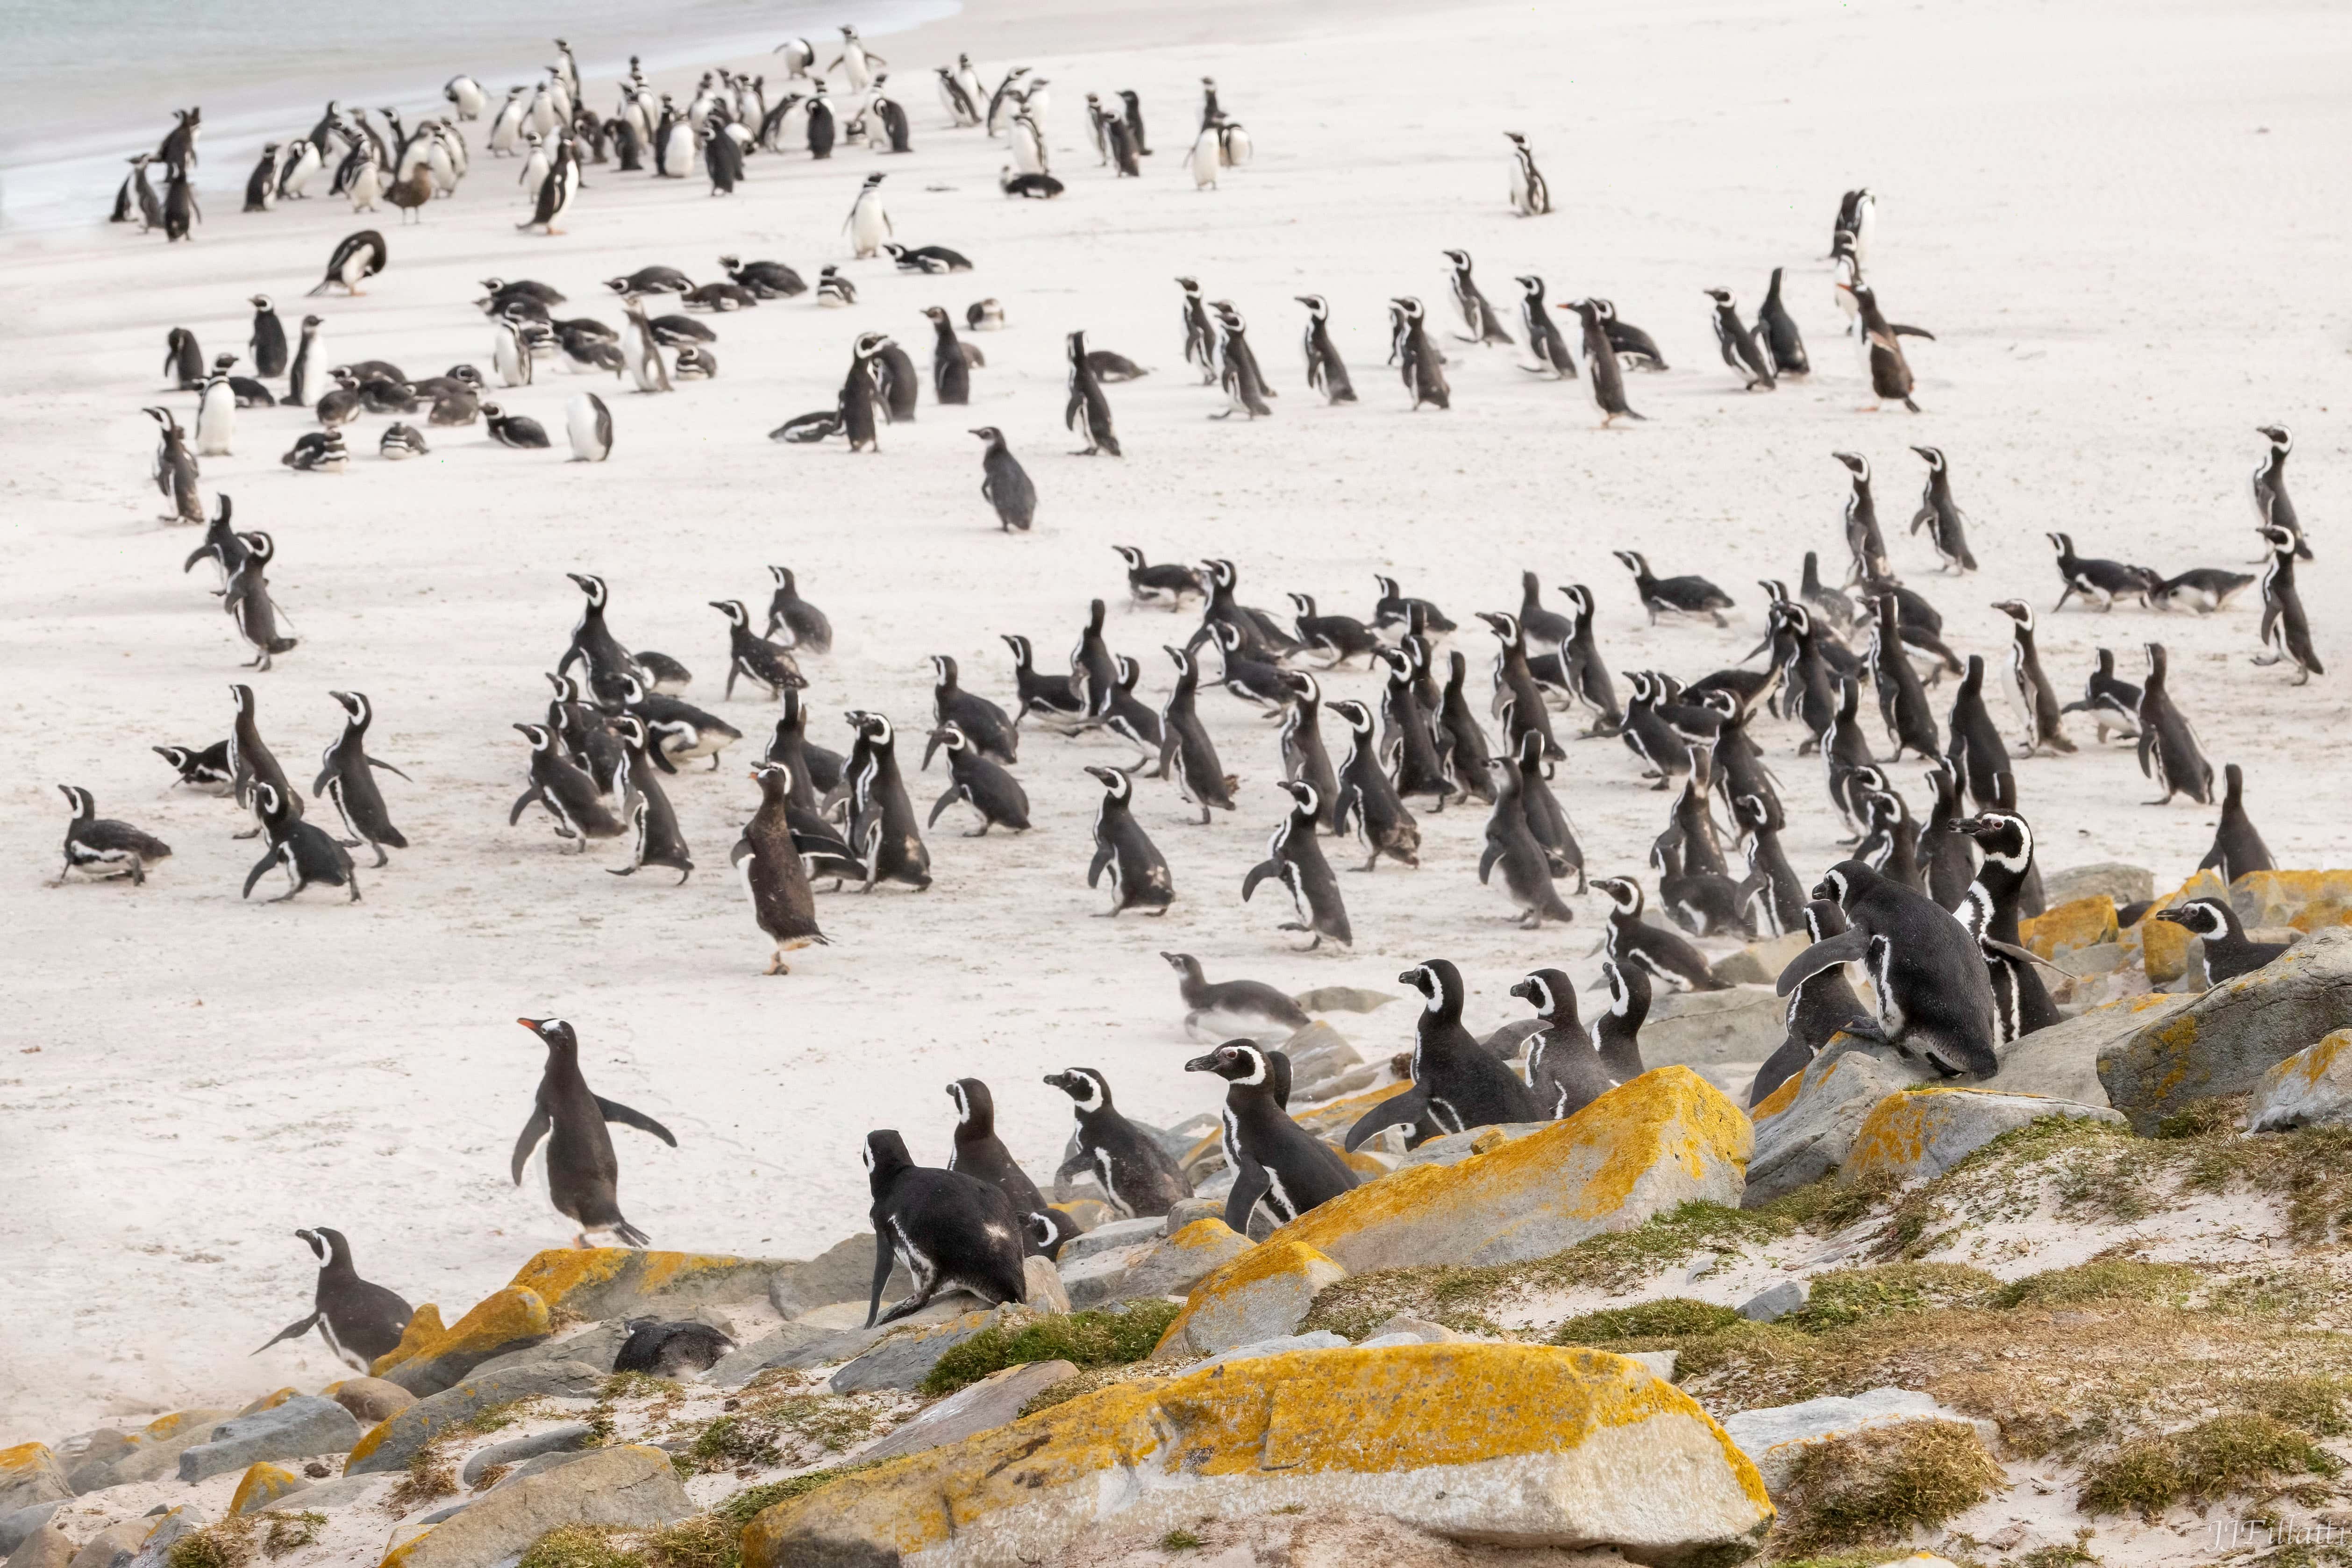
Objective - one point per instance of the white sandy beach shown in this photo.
(2126, 226)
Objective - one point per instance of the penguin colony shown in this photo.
(1851, 669)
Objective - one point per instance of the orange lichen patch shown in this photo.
(262, 1485)
(1778, 1101)
(1201, 1233)
(2306, 901)
(1221, 1300)
(597, 1282)
(1363, 1164)
(270, 1401)
(1341, 1114)
(553, 1275)
(2312, 1065)
(2083, 923)
(167, 1426)
(424, 1328)
(27, 1457)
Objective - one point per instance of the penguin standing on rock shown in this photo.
(1139, 878)
(1928, 981)
(2169, 749)
(1295, 858)
(1276, 1161)
(304, 851)
(1457, 1083)
(1135, 1172)
(584, 1173)
(2238, 849)
(980, 1153)
(1563, 1069)
(348, 779)
(768, 861)
(2229, 951)
(359, 1320)
(951, 1232)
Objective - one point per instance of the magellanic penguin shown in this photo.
(2112, 701)
(1553, 356)
(251, 762)
(1186, 749)
(568, 791)
(657, 839)
(359, 1320)
(1602, 373)
(1005, 484)
(753, 658)
(99, 846)
(1367, 797)
(980, 781)
(588, 425)
(1684, 596)
(1047, 696)
(1336, 638)
(1138, 1175)
(1531, 196)
(358, 257)
(1477, 314)
(1822, 1003)
(1457, 1083)
(2095, 578)
(800, 624)
(306, 852)
(1582, 671)
(882, 828)
(207, 771)
(1617, 1032)
(1304, 758)
(2229, 951)
(1088, 411)
(1511, 845)
(1139, 878)
(1418, 362)
(1229, 1007)
(1747, 358)
(348, 778)
(1563, 1069)
(1776, 331)
(981, 722)
(584, 1175)
(268, 340)
(1902, 700)
(979, 1152)
(1199, 337)
(774, 878)
(1094, 675)
(2004, 843)
(1773, 898)
(2238, 849)
(1633, 942)
(1166, 583)
(1927, 976)
(1132, 719)
(1947, 524)
(2286, 629)
(2271, 502)
(175, 474)
(950, 1231)
(1865, 545)
(1979, 757)
(2037, 700)
(2169, 749)
(1295, 858)
(1326, 372)
(1276, 1161)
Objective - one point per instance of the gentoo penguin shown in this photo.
(1005, 484)
(978, 1152)
(1822, 1003)
(1527, 869)
(655, 839)
(1946, 524)
(588, 425)
(348, 778)
(1979, 754)
(2271, 502)
(584, 1175)
(1186, 749)
(1134, 1171)
(882, 831)
(2112, 703)
(1553, 357)
(99, 846)
(1882, 349)
(950, 1231)
(206, 770)
(2037, 700)
(359, 1320)
(304, 851)
(2285, 630)
(981, 722)
(357, 258)
(1684, 596)
(268, 340)
(247, 601)
(1326, 372)
(1777, 333)
(753, 658)
(1229, 1007)
(1485, 326)
(639, 351)
(768, 861)
(1563, 1068)
(868, 224)
(1457, 1083)
(2237, 849)
(1295, 858)
(1928, 981)
(1602, 373)
(2229, 951)
(2169, 749)
(568, 791)
(2097, 579)
(1276, 1161)
(1416, 358)
(1369, 799)
(1531, 196)
(978, 780)
(1617, 1032)
(1088, 412)
(1138, 873)
(1636, 944)
(1747, 357)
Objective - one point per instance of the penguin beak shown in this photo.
(1524, 990)
(2171, 917)
(1409, 977)
(531, 1024)
(1203, 1064)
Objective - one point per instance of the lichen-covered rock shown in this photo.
(29, 1474)
(506, 1321)
(632, 1487)
(1515, 1445)
(906, 1357)
(1776, 1435)
(390, 1446)
(1920, 1133)
(598, 1344)
(2063, 928)
(1262, 1294)
(424, 1326)
(330, 1496)
(1168, 1266)
(272, 1400)
(165, 1528)
(295, 1429)
(1452, 1148)
(114, 1546)
(150, 1453)
(2123, 884)
(1045, 1292)
(2062, 1060)
(1805, 1128)
(1318, 1055)
(369, 1399)
(2306, 901)
(1115, 1235)
(742, 1364)
(623, 1282)
(263, 1484)
(983, 1406)
(2312, 1088)
(2224, 1041)
(1708, 1028)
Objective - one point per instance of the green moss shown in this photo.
(2199, 1118)
(2228, 1454)
(758, 1437)
(1179, 1540)
(732, 1441)
(581, 1546)
(1674, 1317)
(1863, 1559)
(291, 1531)
(1112, 1337)
(1876, 1485)
(1845, 1296)
(2113, 1279)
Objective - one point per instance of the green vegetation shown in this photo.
(1179, 1540)
(1112, 1337)
(582, 1546)
(1845, 1296)
(1671, 1317)
(2227, 1453)
(2113, 1279)
(1875, 1484)
(430, 1476)
(228, 1544)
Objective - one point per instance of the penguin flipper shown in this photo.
(387, 767)
(293, 1330)
(1252, 1184)
(941, 805)
(1259, 873)
(1400, 1109)
(1486, 862)
(528, 795)
(1095, 871)
(2023, 955)
(1901, 331)
(1846, 947)
(884, 1255)
(614, 1111)
(259, 866)
(533, 1131)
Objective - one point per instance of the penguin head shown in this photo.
(1460, 259)
(1308, 798)
(1127, 552)
(1116, 784)
(355, 707)
(1307, 691)
(1184, 963)
(1623, 893)
(629, 729)
(874, 729)
(1439, 984)
(885, 1156)
(1579, 602)
(1317, 308)
(1221, 574)
(2003, 836)
(733, 610)
(952, 736)
(1020, 646)
(1532, 284)
(1235, 1061)
(975, 1108)
(1078, 342)
(79, 799)
(1191, 286)
(1855, 463)
(1088, 1089)
(2200, 917)
(2280, 537)
(995, 438)
(2155, 661)
(1933, 457)
(1629, 990)
(1227, 634)
(2017, 610)
(1844, 883)
(241, 697)
(1825, 919)
(2281, 440)
(554, 1033)
(266, 800)
(316, 1241)
(775, 780)
(1722, 297)
(1353, 714)
(1049, 1229)
(1632, 561)
(1183, 659)
(1550, 993)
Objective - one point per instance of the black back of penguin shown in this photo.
(1139, 1174)
(1281, 1164)
(979, 1152)
(1563, 1069)
(952, 1231)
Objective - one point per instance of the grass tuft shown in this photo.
(1672, 1317)
(1112, 1337)
(1845, 1296)
(2113, 1279)
(582, 1546)
(291, 1531)
(1875, 1486)
(430, 1476)
(2227, 1453)
(228, 1544)
(1179, 1540)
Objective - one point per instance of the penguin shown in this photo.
(2113, 703)
(979, 1153)
(1946, 524)
(251, 763)
(752, 656)
(517, 430)
(184, 360)
(1088, 412)
(1200, 336)
(882, 830)
(1206, 158)
(216, 412)
(1326, 372)
(1865, 545)
(1368, 798)
(1262, 636)
(1948, 859)
(1636, 944)
(604, 661)
(1583, 672)
(1138, 873)
(1882, 349)
(1527, 870)
(1822, 1003)
(1563, 1069)
(978, 780)
(356, 258)
(2169, 751)
(868, 224)
(305, 378)
(1553, 356)
(569, 792)
(1545, 820)
(1409, 738)
(1415, 357)
(1131, 717)
(1685, 596)
(588, 424)
(1237, 368)
(1485, 326)
(2285, 630)
(951, 363)
(400, 442)
(100, 847)
(1602, 373)
(639, 351)
(1336, 638)
(2229, 951)
(2096, 579)
(2203, 589)
(1902, 700)
(656, 839)
(1165, 583)
(268, 340)
(1304, 757)
(764, 279)
(1233, 1006)
(1980, 757)
(893, 377)
(768, 861)
(1776, 331)
(1771, 897)
(2004, 843)
(584, 1173)
(1093, 677)
(206, 770)
(1295, 860)
(1185, 747)
(2271, 502)
(1463, 747)
(1747, 358)
(2037, 700)
(1633, 346)
(1255, 680)
(1531, 196)
(1457, 1083)
(1276, 1162)
(181, 212)
(1516, 691)
(1830, 604)
(348, 779)
(1929, 986)
(1617, 1032)
(359, 1320)
(1048, 696)
(1134, 1171)
(551, 196)
(248, 603)
(175, 476)
(981, 722)
(1005, 484)
(306, 852)
(2238, 849)
(957, 98)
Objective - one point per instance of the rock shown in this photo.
(45, 1547)
(29, 1475)
(2069, 927)
(982, 1407)
(1920, 1133)
(2120, 883)
(1659, 1363)
(1087, 1213)
(1540, 1445)
(623, 1282)
(1343, 999)
(113, 1547)
(507, 1321)
(1321, 1340)
(567, 1439)
(272, 1400)
(2062, 1060)
(327, 1496)
(1261, 1295)
(424, 1326)
(1775, 1302)
(264, 1484)
(390, 1446)
(1187, 1211)
(2163, 947)
(597, 1345)
(1775, 1436)
(1707, 1028)
(741, 1366)
(2223, 1041)
(842, 1272)
(172, 1525)
(1116, 1234)
(1318, 1053)
(1760, 962)
(301, 1426)
(1510, 1041)
(2306, 901)
(1454, 1147)
(539, 1465)
(149, 1454)
(1171, 1267)
(17, 1526)
(1805, 1128)
(2312, 1088)
(1044, 1286)
(632, 1487)
(369, 1399)
(906, 1357)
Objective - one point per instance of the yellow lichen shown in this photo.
(1276, 1256)
(2079, 923)
(25, 1456)
(424, 1328)
(262, 1484)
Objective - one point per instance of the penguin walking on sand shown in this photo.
(1088, 412)
(1300, 743)
(2112, 701)
(1233, 1006)
(1276, 1161)
(1777, 333)
(1602, 373)
(2286, 629)
(1139, 878)
(584, 1173)
(1882, 350)
(1415, 357)
(1747, 357)
(949, 1230)
(268, 340)
(1929, 986)
(768, 861)
(1186, 749)
(1531, 196)
(1477, 314)
(176, 474)
(1237, 370)
(1005, 484)
(1295, 858)
(753, 658)
(639, 351)
(1563, 1068)
(2004, 844)
(882, 828)
(1946, 524)
(1200, 336)
(1553, 357)
(2037, 700)
(1902, 700)
(1457, 1083)
(360, 1320)
(657, 839)
(1326, 372)
(868, 224)
(2271, 502)
(1822, 1003)
(568, 791)
(304, 851)
(978, 1152)
(248, 603)
(2237, 847)
(1865, 544)
(2169, 751)
(1512, 846)
(1633, 942)
(205, 771)
(1367, 797)
(1134, 1171)
(2229, 951)
(1131, 719)
(981, 722)
(348, 778)
(978, 780)
(1979, 754)
(356, 258)
(251, 763)
(216, 412)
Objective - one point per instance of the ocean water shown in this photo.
(84, 84)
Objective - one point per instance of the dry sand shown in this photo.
(2125, 225)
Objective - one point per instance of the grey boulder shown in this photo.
(301, 1426)
(405, 1435)
(977, 1407)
